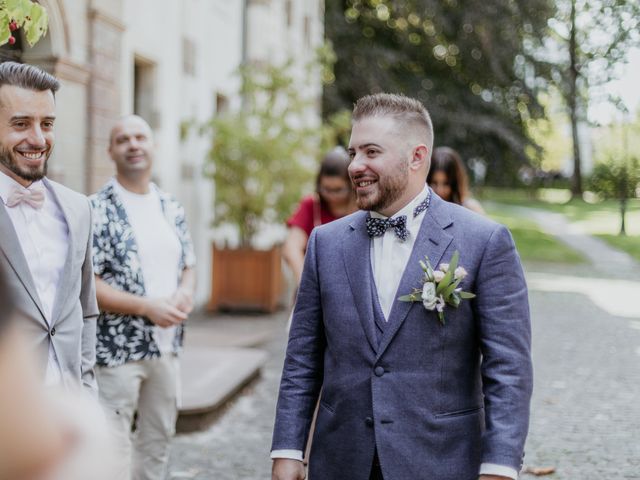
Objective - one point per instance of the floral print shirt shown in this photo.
(127, 338)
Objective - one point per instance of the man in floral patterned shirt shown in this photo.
(143, 260)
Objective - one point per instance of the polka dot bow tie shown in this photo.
(377, 226)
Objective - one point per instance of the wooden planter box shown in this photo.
(246, 279)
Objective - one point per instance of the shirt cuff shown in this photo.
(290, 454)
(494, 469)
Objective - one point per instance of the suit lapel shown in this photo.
(10, 245)
(357, 260)
(66, 278)
(432, 241)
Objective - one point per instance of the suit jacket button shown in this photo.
(53, 331)
(379, 371)
(368, 422)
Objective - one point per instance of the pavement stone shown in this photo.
(237, 446)
(585, 417)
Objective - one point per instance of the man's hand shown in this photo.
(163, 313)
(287, 469)
(183, 300)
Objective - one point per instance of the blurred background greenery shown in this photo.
(511, 85)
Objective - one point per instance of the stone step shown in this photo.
(210, 377)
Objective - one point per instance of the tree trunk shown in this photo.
(576, 179)
(623, 212)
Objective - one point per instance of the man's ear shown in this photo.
(419, 157)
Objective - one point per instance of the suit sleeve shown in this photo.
(89, 313)
(505, 336)
(303, 366)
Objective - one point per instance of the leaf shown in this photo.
(454, 300)
(18, 10)
(466, 295)
(37, 27)
(407, 298)
(450, 289)
(5, 33)
(412, 297)
(448, 277)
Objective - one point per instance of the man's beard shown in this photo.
(389, 189)
(8, 159)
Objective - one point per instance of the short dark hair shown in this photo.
(27, 76)
(403, 108)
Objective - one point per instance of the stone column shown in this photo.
(105, 50)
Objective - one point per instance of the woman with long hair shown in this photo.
(333, 198)
(448, 178)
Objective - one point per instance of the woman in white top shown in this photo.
(448, 178)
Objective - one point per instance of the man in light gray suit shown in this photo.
(45, 233)
(402, 394)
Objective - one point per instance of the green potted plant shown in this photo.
(261, 161)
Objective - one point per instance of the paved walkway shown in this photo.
(605, 260)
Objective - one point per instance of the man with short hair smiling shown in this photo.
(45, 232)
(404, 393)
(144, 260)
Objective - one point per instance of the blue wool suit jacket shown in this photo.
(435, 401)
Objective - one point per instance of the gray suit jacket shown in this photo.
(72, 331)
(434, 400)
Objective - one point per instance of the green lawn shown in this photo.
(628, 243)
(600, 218)
(533, 245)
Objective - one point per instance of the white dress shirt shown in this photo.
(159, 250)
(389, 258)
(44, 237)
(390, 255)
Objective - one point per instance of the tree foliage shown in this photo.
(27, 15)
(592, 38)
(471, 62)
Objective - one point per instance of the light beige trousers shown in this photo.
(150, 388)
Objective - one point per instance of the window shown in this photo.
(288, 7)
(144, 91)
(222, 104)
(188, 56)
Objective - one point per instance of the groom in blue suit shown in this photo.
(403, 396)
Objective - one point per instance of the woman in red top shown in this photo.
(334, 198)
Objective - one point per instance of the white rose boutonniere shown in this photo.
(440, 286)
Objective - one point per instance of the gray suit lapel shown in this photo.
(357, 260)
(432, 241)
(10, 246)
(66, 278)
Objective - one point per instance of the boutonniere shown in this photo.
(440, 286)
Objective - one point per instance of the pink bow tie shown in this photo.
(33, 196)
